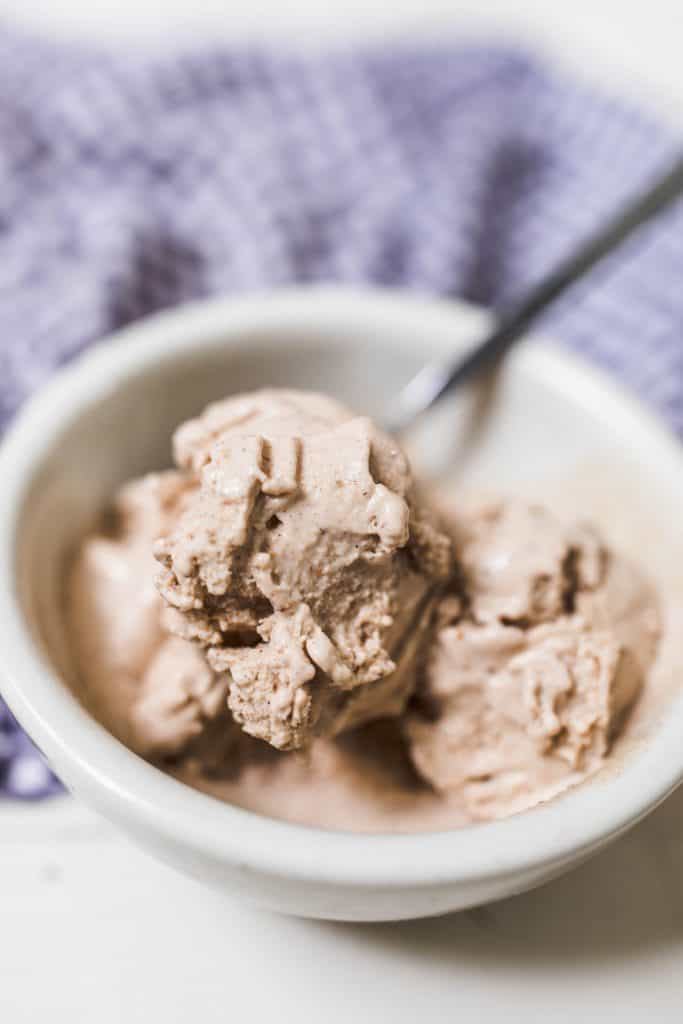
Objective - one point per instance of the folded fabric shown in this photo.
(128, 184)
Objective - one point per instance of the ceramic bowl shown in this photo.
(109, 416)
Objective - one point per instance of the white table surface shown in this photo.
(93, 931)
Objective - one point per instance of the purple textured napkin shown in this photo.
(129, 184)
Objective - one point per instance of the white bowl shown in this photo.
(109, 416)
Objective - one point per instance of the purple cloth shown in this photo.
(130, 184)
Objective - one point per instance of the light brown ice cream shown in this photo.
(310, 592)
(302, 563)
(533, 664)
(154, 691)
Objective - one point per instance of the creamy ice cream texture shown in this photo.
(301, 562)
(304, 589)
(534, 663)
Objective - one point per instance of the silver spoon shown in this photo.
(435, 379)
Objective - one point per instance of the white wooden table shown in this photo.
(93, 931)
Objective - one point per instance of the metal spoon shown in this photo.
(435, 379)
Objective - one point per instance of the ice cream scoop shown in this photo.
(303, 562)
(533, 665)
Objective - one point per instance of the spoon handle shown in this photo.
(435, 379)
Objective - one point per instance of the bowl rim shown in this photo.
(132, 791)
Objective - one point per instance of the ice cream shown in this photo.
(298, 570)
(534, 662)
(155, 691)
(303, 589)
(302, 562)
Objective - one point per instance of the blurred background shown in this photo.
(636, 44)
(159, 153)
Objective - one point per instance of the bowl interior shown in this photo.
(544, 427)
